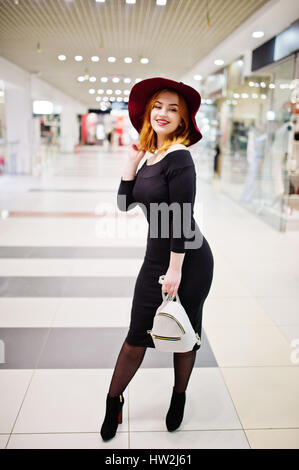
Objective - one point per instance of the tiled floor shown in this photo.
(68, 264)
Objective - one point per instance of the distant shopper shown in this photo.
(163, 113)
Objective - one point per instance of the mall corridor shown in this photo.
(67, 275)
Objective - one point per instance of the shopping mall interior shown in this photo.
(70, 257)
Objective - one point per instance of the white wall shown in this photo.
(21, 88)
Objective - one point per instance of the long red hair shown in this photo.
(148, 137)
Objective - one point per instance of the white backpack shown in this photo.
(172, 330)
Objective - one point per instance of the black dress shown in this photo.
(170, 180)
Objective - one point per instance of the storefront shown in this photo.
(46, 126)
(259, 157)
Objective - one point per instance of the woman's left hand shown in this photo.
(172, 281)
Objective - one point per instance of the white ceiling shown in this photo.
(272, 18)
(174, 38)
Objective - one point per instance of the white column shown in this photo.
(18, 115)
(69, 128)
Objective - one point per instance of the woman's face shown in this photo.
(165, 116)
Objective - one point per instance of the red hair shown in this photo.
(148, 137)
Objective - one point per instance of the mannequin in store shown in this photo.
(279, 154)
(255, 153)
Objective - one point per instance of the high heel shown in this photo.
(175, 413)
(113, 416)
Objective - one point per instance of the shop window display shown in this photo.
(258, 126)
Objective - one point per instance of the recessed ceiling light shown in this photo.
(100, 91)
(95, 58)
(130, 1)
(258, 34)
(197, 77)
(128, 60)
(104, 79)
(244, 95)
(109, 92)
(100, 1)
(61, 57)
(91, 91)
(98, 98)
(161, 2)
(127, 80)
(92, 79)
(264, 97)
(81, 79)
(78, 58)
(117, 92)
(251, 83)
(218, 62)
(111, 59)
(115, 79)
(126, 92)
(271, 85)
(254, 95)
(138, 80)
(144, 60)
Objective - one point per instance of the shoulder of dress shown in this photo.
(177, 159)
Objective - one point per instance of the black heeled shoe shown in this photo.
(113, 416)
(175, 413)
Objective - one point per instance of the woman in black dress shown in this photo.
(163, 112)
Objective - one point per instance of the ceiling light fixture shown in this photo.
(61, 57)
(258, 34)
(95, 58)
(218, 62)
(111, 59)
(128, 60)
(78, 58)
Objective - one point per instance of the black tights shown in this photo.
(130, 359)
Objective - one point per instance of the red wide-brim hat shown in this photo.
(143, 91)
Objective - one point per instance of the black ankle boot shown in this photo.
(176, 410)
(113, 416)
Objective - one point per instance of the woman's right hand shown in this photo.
(135, 155)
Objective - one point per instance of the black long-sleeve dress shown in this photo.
(171, 180)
